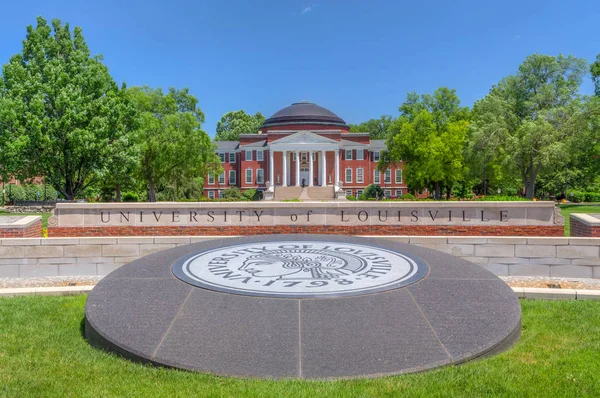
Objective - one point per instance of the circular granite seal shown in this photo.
(302, 306)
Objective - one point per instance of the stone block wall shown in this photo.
(504, 256)
(587, 225)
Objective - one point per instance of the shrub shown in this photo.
(374, 191)
(502, 199)
(592, 196)
(576, 196)
(232, 193)
(130, 197)
(350, 197)
(14, 193)
(251, 194)
(407, 196)
(362, 196)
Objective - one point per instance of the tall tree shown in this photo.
(377, 128)
(429, 136)
(61, 107)
(234, 123)
(172, 145)
(595, 71)
(535, 113)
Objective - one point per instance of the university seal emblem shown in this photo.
(300, 269)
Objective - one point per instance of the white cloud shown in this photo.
(306, 10)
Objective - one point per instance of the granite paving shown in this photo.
(457, 312)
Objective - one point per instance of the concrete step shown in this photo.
(320, 193)
(284, 193)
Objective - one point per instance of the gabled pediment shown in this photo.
(305, 138)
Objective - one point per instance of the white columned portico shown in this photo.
(297, 168)
(284, 173)
(324, 168)
(271, 168)
(310, 169)
(337, 168)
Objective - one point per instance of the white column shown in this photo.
(310, 169)
(271, 168)
(297, 168)
(324, 168)
(284, 172)
(337, 168)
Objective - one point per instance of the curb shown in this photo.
(521, 292)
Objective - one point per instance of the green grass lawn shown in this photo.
(43, 353)
(45, 216)
(568, 209)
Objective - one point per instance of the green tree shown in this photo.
(429, 136)
(534, 114)
(595, 71)
(377, 128)
(61, 111)
(234, 123)
(172, 146)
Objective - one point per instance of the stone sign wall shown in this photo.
(585, 225)
(350, 218)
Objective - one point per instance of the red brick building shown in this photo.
(304, 151)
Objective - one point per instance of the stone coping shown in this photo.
(521, 292)
(312, 204)
(588, 219)
(22, 222)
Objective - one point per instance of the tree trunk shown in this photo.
(69, 194)
(151, 191)
(437, 191)
(530, 188)
(118, 192)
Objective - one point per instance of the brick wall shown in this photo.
(414, 230)
(585, 226)
(33, 230)
(504, 256)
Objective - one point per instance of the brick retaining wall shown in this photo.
(415, 230)
(585, 225)
(504, 256)
(31, 230)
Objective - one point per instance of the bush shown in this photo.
(407, 196)
(350, 197)
(130, 197)
(15, 193)
(251, 194)
(502, 199)
(592, 197)
(374, 191)
(232, 193)
(362, 196)
(576, 196)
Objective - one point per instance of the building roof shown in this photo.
(256, 144)
(378, 144)
(304, 113)
(353, 144)
(227, 145)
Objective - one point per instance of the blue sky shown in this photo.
(358, 58)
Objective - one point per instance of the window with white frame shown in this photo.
(388, 194)
(220, 194)
(376, 177)
(248, 176)
(387, 176)
(231, 157)
(360, 154)
(348, 192)
(248, 156)
(222, 157)
(211, 179)
(222, 178)
(376, 156)
(260, 176)
(398, 176)
(398, 193)
(259, 156)
(359, 175)
(232, 179)
(304, 157)
(348, 154)
(211, 194)
(359, 192)
(348, 175)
